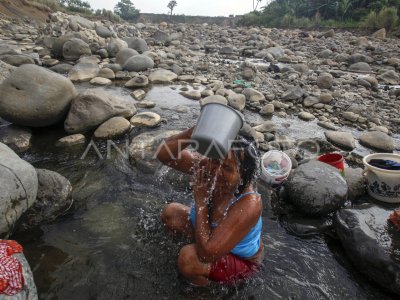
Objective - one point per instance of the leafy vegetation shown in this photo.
(126, 10)
(319, 13)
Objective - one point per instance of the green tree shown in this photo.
(171, 5)
(126, 10)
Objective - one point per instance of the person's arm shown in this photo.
(242, 216)
(172, 151)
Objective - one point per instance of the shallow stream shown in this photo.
(112, 245)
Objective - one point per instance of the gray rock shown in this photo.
(62, 68)
(310, 101)
(253, 95)
(325, 53)
(390, 77)
(103, 31)
(162, 76)
(116, 45)
(146, 119)
(138, 95)
(193, 94)
(143, 148)
(146, 104)
(124, 54)
(8, 50)
(107, 73)
(59, 43)
(293, 93)
(342, 139)
(15, 137)
(93, 107)
(83, 72)
(112, 128)
(371, 243)
(306, 116)
(54, 198)
(267, 109)
(18, 185)
(114, 67)
(18, 60)
(317, 189)
(237, 101)
(161, 37)
(325, 81)
(36, 97)
(100, 81)
(73, 49)
(356, 183)
(81, 21)
(377, 140)
(138, 63)
(5, 70)
(350, 116)
(360, 67)
(137, 44)
(137, 81)
(380, 34)
(268, 126)
(276, 52)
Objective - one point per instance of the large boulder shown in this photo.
(18, 186)
(124, 54)
(162, 76)
(59, 43)
(143, 148)
(34, 96)
(73, 49)
(54, 198)
(116, 45)
(103, 31)
(317, 189)
(342, 139)
(377, 140)
(77, 21)
(137, 44)
(93, 107)
(138, 63)
(84, 72)
(372, 243)
(161, 37)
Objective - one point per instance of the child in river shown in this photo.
(224, 220)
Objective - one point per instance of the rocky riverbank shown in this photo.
(94, 82)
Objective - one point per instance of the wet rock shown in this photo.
(143, 148)
(390, 77)
(317, 189)
(116, 45)
(103, 31)
(146, 104)
(138, 94)
(237, 101)
(124, 54)
(356, 183)
(306, 116)
(293, 93)
(36, 97)
(138, 63)
(193, 94)
(327, 125)
(54, 198)
(112, 128)
(18, 60)
(360, 67)
(137, 44)
(93, 107)
(137, 82)
(73, 49)
(15, 137)
(146, 119)
(83, 72)
(342, 139)
(377, 140)
(162, 76)
(18, 185)
(5, 70)
(325, 81)
(100, 81)
(214, 99)
(71, 140)
(371, 243)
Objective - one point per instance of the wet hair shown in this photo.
(245, 150)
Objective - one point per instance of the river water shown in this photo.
(112, 245)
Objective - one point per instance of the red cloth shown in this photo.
(231, 269)
(11, 277)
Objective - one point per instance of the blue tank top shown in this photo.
(250, 244)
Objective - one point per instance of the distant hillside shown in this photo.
(24, 8)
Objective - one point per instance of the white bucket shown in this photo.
(282, 159)
(383, 185)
